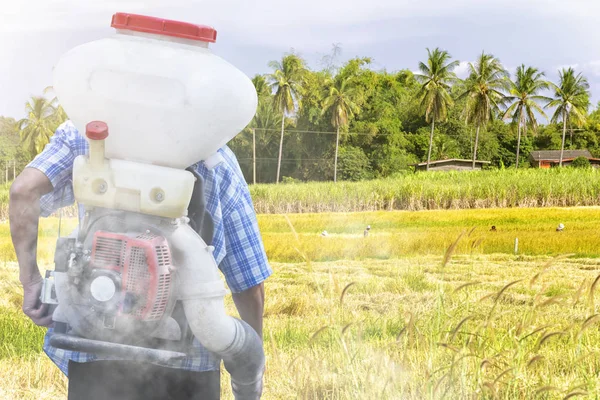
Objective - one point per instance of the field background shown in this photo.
(408, 312)
(498, 188)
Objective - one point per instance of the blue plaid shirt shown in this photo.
(239, 250)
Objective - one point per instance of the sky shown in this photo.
(547, 34)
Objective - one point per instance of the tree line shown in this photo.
(382, 121)
(21, 140)
(386, 121)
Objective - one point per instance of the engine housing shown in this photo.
(143, 264)
(115, 281)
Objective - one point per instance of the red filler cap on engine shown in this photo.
(96, 130)
(161, 26)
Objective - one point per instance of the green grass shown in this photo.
(374, 322)
(4, 201)
(436, 190)
(18, 337)
(566, 187)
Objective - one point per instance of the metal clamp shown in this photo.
(48, 294)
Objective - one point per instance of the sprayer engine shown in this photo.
(114, 283)
(130, 276)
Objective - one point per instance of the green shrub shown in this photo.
(581, 162)
(353, 164)
(289, 179)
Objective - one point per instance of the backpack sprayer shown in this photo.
(136, 281)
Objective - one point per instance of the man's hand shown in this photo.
(32, 306)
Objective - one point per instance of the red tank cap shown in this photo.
(96, 130)
(161, 26)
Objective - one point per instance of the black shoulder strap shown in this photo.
(200, 219)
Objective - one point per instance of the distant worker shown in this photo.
(493, 229)
(366, 232)
(560, 227)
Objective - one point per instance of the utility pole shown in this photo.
(254, 155)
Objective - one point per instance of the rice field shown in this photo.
(430, 305)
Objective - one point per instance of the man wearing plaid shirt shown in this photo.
(46, 185)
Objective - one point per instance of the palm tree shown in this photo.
(524, 95)
(261, 86)
(435, 78)
(60, 115)
(571, 99)
(286, 80)
(265, 121)
(266, 117)
(340, 99)
(9, 139)
(8, 126)
(444, 148)
(483, 91)
(39, 125)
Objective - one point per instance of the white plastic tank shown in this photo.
(167, 99)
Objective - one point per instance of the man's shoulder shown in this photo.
(231, 164)
(68, 128)
(68, 134)
(223, 176)
(228, 155)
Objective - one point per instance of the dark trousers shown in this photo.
(128, 380)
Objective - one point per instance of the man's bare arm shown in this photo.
(250, 305)
(24, 214)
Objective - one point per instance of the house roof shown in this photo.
(450, 161)
(539, 155)
(571, 159)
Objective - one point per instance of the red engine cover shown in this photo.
(144, 262)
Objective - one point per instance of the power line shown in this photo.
(408, 135)
(356, 133)
(284, 159)
(323, 132)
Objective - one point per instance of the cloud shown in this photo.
(592, 68)
(395, 33)
(311, 24)
(566, 66)
(462, 70)
(588, 68)
(272, 22)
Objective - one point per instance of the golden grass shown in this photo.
(413, 325)
(409, 329)
(31, 378)
(404, 233)
(398, 233)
